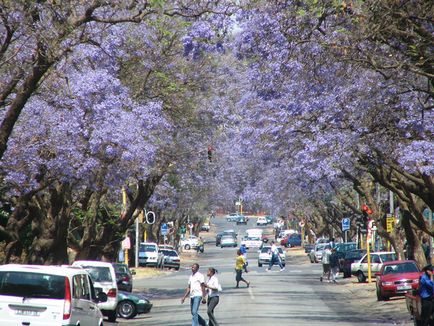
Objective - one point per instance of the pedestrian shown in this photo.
(199, 245)
(196, 291)
(326, 263)
(334, 264)
(243, 250)
(239, 267)
(426, 289)
(275, 257)
(214, 288)
(426, 251)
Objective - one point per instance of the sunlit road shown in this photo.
(294, 296)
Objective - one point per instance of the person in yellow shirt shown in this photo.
(239, 266)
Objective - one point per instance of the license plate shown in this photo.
(404, 287)
(27, 312)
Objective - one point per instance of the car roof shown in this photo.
(93, 263)
(64, 270)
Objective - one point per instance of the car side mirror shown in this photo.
(101, 297)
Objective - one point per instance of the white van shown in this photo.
(48, 295)
(149, 254)
(104, 279)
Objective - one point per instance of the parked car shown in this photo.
(228, 241)
(265, 256)
(261, 221)
(232, 217)
(225, 232)
(349, 258)
(124, 277)
(171, 259)
(132, 304)
(35, 295)
(104, 280)
(345, 246)
(291, 240)
(205, 227)
(270, 219)
(360, 268)
(308, 247)
(149, 254)
(241, 220)
(315, 255)
(252, 242)
(395, 278)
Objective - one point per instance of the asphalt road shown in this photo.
(294, 296)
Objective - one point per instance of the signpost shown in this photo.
(346, 222)
(390, 223)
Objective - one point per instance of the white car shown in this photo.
(252, 242)
(261, 220)
(265, 256)
(103, 276)
(360, 268)
(149, 254)
(189, 243)
(48, 295)
(315, 254)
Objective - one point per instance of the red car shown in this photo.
(397, 277)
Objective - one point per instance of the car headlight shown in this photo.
(143, 301)
(387, 283)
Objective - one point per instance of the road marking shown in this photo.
(251, 293)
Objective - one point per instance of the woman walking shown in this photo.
(239, 266)
(214, 288)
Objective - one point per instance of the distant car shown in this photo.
(124, 277)
(395, 278)
(315, 255)
(171, 259)
(132, 304)
(225, 232)
(252, 242)
(345, 246)
(291, 240)
(189, 243)
(360, 268)
(232, 217)
(241, 220)
(149, 254)
(349, 258)
(265, 256)
(270, 219)
(308, 247)
(228, 241)
(205, 227)
(261, 221)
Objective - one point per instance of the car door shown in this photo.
(85, 309)
(375, 263)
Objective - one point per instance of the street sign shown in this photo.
(164, 229)
(346, 224)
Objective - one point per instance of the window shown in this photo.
(80, 288)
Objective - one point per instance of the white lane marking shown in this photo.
(251, 293)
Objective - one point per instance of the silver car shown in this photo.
(228, 241)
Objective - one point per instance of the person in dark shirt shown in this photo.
(426, 251)
(426, 289)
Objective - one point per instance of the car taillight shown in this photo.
(67, 304)
(126, 278)
(112, 293)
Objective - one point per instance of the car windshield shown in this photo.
(227, 237)
(388, 257)
(149, 248)
(169, 253)
(99, 273)
(400, 268)
(354, 254)
(33, 285)
(253, 238)
(120, 268)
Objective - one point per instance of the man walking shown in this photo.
(196, 290)
(275, 257)
(243, 250)
(239, 266)
(326, 263)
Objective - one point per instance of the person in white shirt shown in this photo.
(196, 291)
(275, 257)
(214, 288)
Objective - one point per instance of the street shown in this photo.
(294, 296)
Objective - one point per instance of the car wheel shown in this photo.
(361, 277)
(177, 268)
(187, 247)
(112, 314)
(259, 265)
(127, 309)
(379, 296)
(311, 260)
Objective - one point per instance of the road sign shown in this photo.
(346, 224)
(164, 229)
